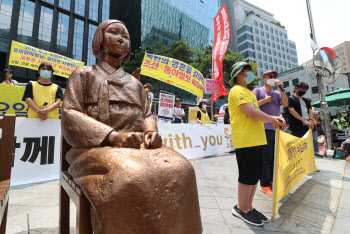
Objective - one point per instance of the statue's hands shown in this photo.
(153, 140)
(125, 139)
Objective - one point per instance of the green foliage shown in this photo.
(250, 13)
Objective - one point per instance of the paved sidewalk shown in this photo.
(320, 203)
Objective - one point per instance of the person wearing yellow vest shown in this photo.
(42, 96)
(202, 114)
(248, 137)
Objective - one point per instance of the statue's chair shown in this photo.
(69, 190)
(7, 124)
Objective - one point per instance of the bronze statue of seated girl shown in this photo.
(133, 182)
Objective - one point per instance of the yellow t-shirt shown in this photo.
(246, 132)
(205, 117)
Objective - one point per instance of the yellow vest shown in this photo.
(44, 96)
(205, 117)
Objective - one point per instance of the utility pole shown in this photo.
(324, 106)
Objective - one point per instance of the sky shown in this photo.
(331, 22)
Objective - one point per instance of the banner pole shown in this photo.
(274, 191)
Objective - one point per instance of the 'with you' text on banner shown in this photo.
(26, 56)
(173, 72)
(221, 41)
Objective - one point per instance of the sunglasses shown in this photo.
(272, 76)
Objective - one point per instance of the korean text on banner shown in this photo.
(173, 72)
(294, 158)
(23, 55)
(11, 101)
(166, 107)
(221, 41)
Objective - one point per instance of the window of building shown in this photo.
(279, 55)
(245, 13)
(257, 39)
(93, 13)
(263, 41)
(64, 4)
(261, 33)
(261, 26)
(286, 84)
(275, 61)
(271, 67)
(271, 30)
(272, 38)
(246, 45)
(332, 89)
(260, 65)
(268, 51)
(278, 47)
(327, 88)
(341, 47)
(274, 53)
(284, 57)
(105, 9)
(266, 28)
(49, 1)
(255, 23)
(256, 31)
(273, 45)
(280, 34)
(266, 66)
(258, 48)
(284, 64)
(80, 7)
(91, 57)
(244, 28)
(267, 36)
(285, 36)
(276, 32)
(289, 66)
(268, 43)
(25, 23)
(277, 40)
(265, 58)
(314, 89)
(280, 63)
(282, 48)
(62, 34)
(295, 81)
(259, 56)
(248, 53)
(287, 50)
(45, 28)
(293, 52)
(281, 41)
(264, 49)
(270, 60)
(286, 43)
(245, 37)
(78, 39)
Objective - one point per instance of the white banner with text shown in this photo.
(37, 146)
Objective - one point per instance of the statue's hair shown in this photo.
(98, 38)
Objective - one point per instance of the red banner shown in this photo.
(221, 41)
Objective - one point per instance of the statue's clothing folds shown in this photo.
(130, 190)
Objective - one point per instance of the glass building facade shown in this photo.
(152, 21)
(65, 27)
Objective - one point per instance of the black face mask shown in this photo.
(301, 93)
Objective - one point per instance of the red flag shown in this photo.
(221, 41)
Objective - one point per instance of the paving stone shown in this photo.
(219, 184)
(208, 202)
(223, 192)
(215, 229)
(211, 216)
(226, 203)
(204, 191)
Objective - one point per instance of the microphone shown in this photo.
(281, 88)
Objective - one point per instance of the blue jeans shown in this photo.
(314, 136)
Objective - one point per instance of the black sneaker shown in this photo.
(260, 216)
(247, 217)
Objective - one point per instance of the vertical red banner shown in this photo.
(221, 41)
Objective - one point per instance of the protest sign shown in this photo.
(173, 72)
(192, 115)
(294, 158)
(221, 41)
(222, 113)
(166, 107)
(212, 86)
(26, 56)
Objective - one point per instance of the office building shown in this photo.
(262, 39)
(65, 27)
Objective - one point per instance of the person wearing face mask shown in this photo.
(202, 114)
(43, 97)
(148, 87)
(248, 138)
(269, 102)
(301, 114)
(6, 78)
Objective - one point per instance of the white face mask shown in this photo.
(271, 82)
(204, 106)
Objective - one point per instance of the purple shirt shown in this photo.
(269, 108)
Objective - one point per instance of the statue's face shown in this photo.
(116, 41)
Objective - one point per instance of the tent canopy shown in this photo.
(340, 97)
